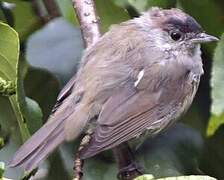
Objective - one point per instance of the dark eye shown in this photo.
(176, 35)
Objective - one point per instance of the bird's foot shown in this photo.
(130, 172)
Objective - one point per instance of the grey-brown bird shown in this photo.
(137, 79)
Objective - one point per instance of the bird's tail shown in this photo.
(37, 148)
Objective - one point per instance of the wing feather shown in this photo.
(35, 142)
(136, 112)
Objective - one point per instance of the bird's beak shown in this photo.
(204, 38)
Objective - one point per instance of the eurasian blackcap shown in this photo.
(137, 79)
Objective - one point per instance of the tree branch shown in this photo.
(52, 8)
(88, 20)
(45, 10)
(89, 23)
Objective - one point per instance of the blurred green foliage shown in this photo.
(50, 50)
(67, 11)
(9, 54)
(217, 85)
(150, 177)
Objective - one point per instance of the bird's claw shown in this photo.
(130, 172)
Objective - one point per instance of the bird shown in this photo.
(134, 82)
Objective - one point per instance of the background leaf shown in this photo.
(67, 11)
(9, 54)
(110, 14)
(149, 177)
(217, 85)
(11, 70)
(57, 47)
(217, 80)
(35, 113)
(144, 5)
(47, 94)
(27, 20)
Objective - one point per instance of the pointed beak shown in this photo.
(204, 38)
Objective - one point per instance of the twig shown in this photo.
(52, 8)
(78, 165)
(88, 19)
(89, 23)
(45, 10)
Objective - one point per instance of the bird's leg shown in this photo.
(128, 167)
(78, 163)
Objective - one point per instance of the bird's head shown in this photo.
(173, 30)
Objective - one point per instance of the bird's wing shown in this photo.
(125, 115)
(67, 89)
(64, 93)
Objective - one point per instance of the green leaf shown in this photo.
(29, 116)
(217, 80)
(150, 177)
(1, 142)
(9, 54)
(9, 50)
(161, 3)
(7, 88)
(110, 14)
(192, 177)
(47, 94)
(214, 123)
(144, 5)
(25, 19)
(217, 85)
(2, 169)
(35, 114)
(138, 5)
(67, 10)
(11, 69)
(145, 177)
(8, 122)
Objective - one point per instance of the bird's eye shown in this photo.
(176, 36)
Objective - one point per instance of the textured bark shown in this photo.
(89, 23)
(88, 19)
